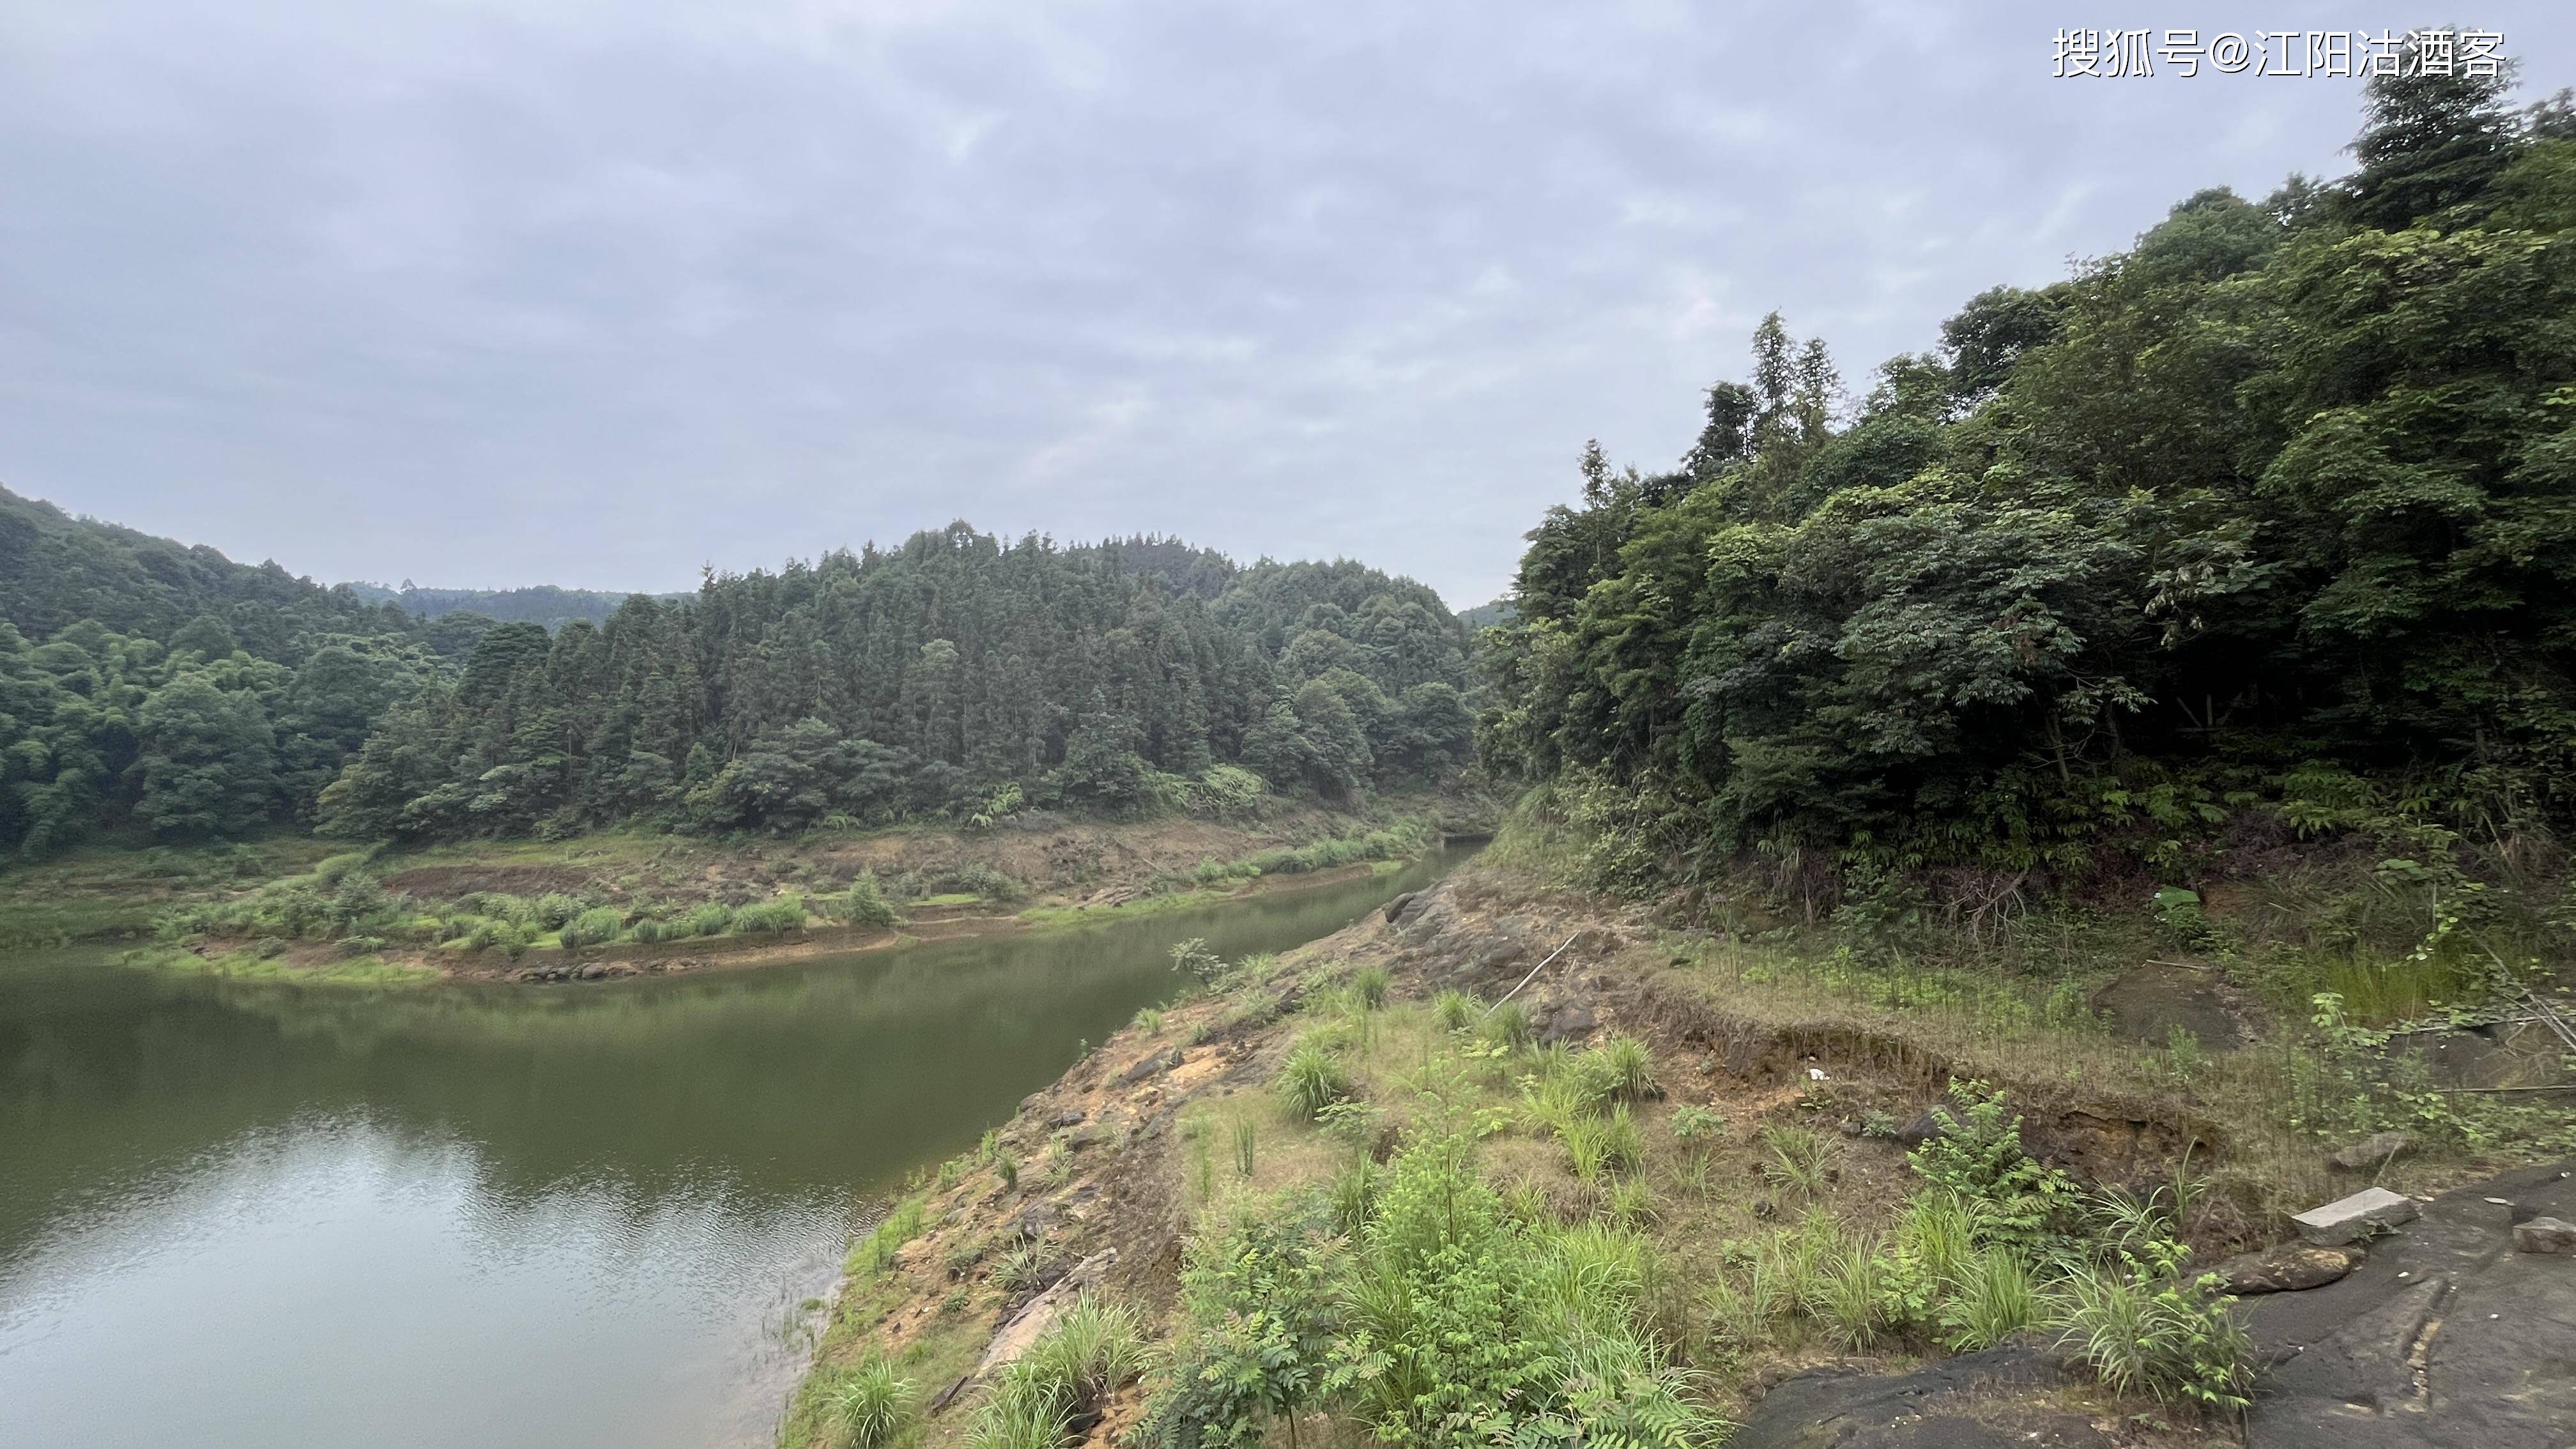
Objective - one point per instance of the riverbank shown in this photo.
(1740, 1131)
(625, 903)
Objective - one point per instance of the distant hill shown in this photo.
(1499, 613)
(543, 604)
(57, 570)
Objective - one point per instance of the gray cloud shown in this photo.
(488, 293)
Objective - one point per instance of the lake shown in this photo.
(273, 1216)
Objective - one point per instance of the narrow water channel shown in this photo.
(566, 1216)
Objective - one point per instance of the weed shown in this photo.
(1311, 1080)
(1991, 1299)
(1795, 1158)
(1243, 1148)
(1694, 1123)
(1454, 1009)
(870, 1403)
(1369, 984)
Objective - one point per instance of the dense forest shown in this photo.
(542, 604)
(2278, 504)
(146, 686)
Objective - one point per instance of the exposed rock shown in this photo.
(1958, 1403)
(1069, 1117)
(2147, 1002)
(2372, 1151)
(1567, 1021)
(593, 971)
(2287, 1268)
(1036, 1220)
(1395, 908)
(2350, 1219)
(1924, 1126)
(1152, 1066)
(2545, 1235)
(2442, 1339)
(1041, 1313)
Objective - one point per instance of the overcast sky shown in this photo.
(496, 292)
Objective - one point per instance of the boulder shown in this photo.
(2287, 1268)
(1152, 1066)
(1569, 1021)
(1924, 1126)
(2372, 1152)
(2545, 1235)
(2350, 1219)
(1395, 908)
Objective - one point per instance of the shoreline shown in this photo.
(319, 963)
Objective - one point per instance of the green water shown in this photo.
(506, 1215)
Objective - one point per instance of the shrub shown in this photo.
(592, 927)
(712, 919)
(1694, 1123)
(1978, 1156)
(332, 867)
(863, 904)
(787, 913)
(550, 911)
(1201, 964)
(870, 1404)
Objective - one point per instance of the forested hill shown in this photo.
(957, 675)
(147, 683)
(2277, 506)
(542, 604)
(158, 690)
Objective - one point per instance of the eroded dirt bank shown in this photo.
(1095, 1183)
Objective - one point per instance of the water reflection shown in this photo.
(238, 1214)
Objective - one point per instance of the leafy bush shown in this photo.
(1978, 1156)
(1196, 960)
(549, 912)
(863, 904)
(1694, 1123)
(592, 927)
(784, 914)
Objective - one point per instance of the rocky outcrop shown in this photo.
(2444, 1338)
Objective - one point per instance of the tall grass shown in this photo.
(870, 1404)
(1311, 1080)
